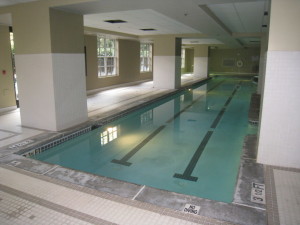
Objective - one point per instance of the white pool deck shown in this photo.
(27, 198)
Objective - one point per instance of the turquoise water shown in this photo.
(190, 144)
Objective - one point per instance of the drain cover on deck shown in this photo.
(191, 209)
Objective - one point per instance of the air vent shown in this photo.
(264, 25)
(115, 21)
(255, 41)
(266, 13)
(148, 29)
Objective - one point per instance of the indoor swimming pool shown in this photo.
(190, 143)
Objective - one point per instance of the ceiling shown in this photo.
(237, 23)
(13, 2)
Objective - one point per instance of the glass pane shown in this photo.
(109, 70)
(101, 61)
(108, 61)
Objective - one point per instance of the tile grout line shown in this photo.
(54, 206)
(253, 207)
(53, 168)
(142, 188)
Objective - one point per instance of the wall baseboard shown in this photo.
(2, 110)
(90, 92)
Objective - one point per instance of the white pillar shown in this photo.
(279, 142)
(50, 67)
(262, 63)
(200, 61)
(167, 63)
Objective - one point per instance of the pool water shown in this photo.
(189, 144)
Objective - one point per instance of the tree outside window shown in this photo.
(107, 57)
(146, 57)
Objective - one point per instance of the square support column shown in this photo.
(50, 67)
(279, 142)
(167, 63)
(200, 61)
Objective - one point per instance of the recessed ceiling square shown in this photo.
(115, 21)
(148, 29)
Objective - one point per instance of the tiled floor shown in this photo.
(48, 202)
(283, 195)
(27, 198)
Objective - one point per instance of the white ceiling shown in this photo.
(241, 17)
(13, 2)
(137, 20)
(201, 41)
(216, 20)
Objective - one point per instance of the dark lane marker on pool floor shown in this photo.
(124, 160)
(187, 174)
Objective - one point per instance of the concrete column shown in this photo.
(200, 61)
(167, 62)
(279, 142)
(50, 67)
(7, 93)
(262, 62)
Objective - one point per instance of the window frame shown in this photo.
(107, 57)
(183, 53)
(146, 58)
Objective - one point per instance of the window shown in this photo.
(108, 135)
(146, 57)
(107, 57)
(182, 58)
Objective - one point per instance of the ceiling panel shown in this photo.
(241, 17)
(13, 2)
(251, 15)
(250, 41)
(136, 20)
(228, 15)
(201, 41)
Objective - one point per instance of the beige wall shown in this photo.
(249, 57)
(51, 31)
(31, 29)
(284, 25)
(66, 32)
(189, 60)
(164, 45)
(129, 64)
(201, 50)
(7, 92)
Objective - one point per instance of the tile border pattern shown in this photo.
(56, 142)
(272, 204)
(134, 203)
(54, 206)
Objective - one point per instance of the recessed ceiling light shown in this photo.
(148, 29)
(115, 21)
